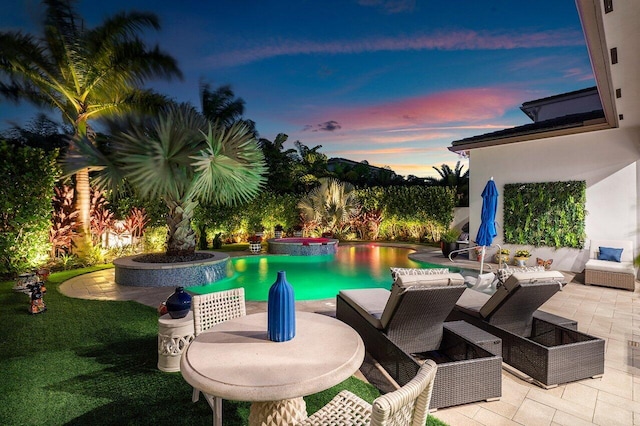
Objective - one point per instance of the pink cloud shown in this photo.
(450, 107)
(453, 40)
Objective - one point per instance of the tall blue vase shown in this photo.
(281, 310)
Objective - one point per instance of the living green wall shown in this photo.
(545, 214)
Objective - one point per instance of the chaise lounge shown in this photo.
(403, 327)
(546, 347)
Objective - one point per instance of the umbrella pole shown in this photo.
(482, 258)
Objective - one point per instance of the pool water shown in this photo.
(316, 277)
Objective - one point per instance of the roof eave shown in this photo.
(587, 126)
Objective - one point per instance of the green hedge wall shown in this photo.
(28, 176)
(545, 214)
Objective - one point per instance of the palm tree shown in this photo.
(222, 105)
(330, 205)
(181, 157)
(84, 73)
(453, 179)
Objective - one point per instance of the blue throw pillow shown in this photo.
(611, 254)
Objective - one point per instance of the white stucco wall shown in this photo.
(608, 162)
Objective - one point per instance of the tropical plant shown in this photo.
(182, 158)
(450, 235)
(101, 217)
(453, 178)
(63, 221)
(85, 74)
(331, 205)
(254, 239)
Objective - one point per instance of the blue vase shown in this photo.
(281, 310)
(179, 303)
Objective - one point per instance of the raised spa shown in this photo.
(303, 246)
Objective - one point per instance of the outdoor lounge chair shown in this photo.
(546, 347)
(408, 405)
(611, 271)
(405, 326)
(209, 310)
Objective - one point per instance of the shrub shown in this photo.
(28, 175)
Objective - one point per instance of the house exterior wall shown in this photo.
(607, 160)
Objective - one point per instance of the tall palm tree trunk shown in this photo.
(82, 240)
(181, 239)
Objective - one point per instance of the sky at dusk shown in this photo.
(391, 82)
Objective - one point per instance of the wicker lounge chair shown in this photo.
(546, 347)
(209, 310)
(405, 326)
(408, 405)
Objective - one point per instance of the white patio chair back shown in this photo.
(407, 406)
(214, 308)
(209, 310)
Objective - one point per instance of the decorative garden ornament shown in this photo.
(179, 303)
(281, 310)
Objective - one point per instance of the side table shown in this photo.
(174, 335)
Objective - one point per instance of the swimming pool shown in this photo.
(316, 277)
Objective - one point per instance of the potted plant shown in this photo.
(448, 242)
(479, 253)
(297, 231)
(255, 243)
(521, 257)
(278, 231)
(502, 256)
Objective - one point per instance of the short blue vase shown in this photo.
(281, 310)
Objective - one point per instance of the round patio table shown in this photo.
(235, 360)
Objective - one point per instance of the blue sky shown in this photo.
(391, 82)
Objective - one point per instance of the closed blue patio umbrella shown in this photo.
(487, 230)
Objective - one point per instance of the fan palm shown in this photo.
(181, 157)
(332, 204)
(84, 73)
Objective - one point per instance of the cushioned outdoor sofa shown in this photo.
(403, 327)
(546, 347)
(610, 264)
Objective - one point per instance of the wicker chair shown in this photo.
(404, 327)
(546, 347)
(620, 274)
(209, 310)
(408, 405)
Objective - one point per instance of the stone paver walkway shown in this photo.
(611, 314)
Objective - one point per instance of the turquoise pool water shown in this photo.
(316, 277)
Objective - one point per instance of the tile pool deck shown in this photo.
(611, 314)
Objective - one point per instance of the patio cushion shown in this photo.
(626, 245)
(472, 301)
(609, 266)
(369, 302)
(610, 254)
(416, 271)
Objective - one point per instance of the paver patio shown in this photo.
(611, 314)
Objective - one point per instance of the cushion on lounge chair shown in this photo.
(369, 302)
(416, 271)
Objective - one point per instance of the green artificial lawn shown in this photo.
(86, 362)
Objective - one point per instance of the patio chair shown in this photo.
(209, 310)
(408, 405)
(616, 270)
(404, 327)
(548, 348)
